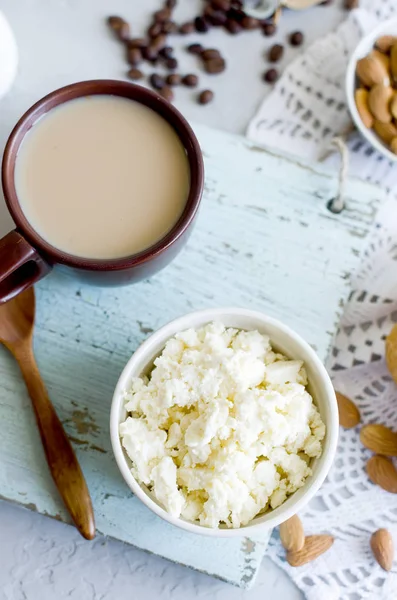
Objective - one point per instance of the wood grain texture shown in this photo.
(264, 240)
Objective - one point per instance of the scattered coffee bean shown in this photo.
(134, 74)
(162, 15)
(170, 4)
(270, 76)
(275, 53)
(169, 27)
(296, 38)
(210, 53)
(167, 93)
(221, 4)
(249, 23)
(171, 64)
(217, 18)
(190, 80)
(186, 28)
(195, 48)
(269, 29)
(215, 65)
(205, 97)
(159, 42)
(233, 27)
(201, 25)
(236, 14)
(174, 79)
(156, 81)
(120, 27)
(350, 4)
(136, 43)
(166, 52)
(150, 54)
(154, 30)
(134, 56)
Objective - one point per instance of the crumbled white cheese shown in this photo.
(224, 428)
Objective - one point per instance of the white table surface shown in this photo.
(40, 557)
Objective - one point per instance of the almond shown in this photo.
(382, 472)
(393, 62)
(393, 106)
(384, 58)
(292, 535)
(393, 145)
(391, 346)
(315, 545)
(379, 439)
(385, 43)
(383, 548)
(379, 102)
(349, 415)
(361, 97)
(371, 71)
(386, 132)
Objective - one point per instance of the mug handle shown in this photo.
(20, 265)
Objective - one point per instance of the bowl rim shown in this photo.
(206, 316)
(360, 51)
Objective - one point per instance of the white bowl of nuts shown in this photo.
(371, 88)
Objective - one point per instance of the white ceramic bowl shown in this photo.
(283, 339)
(364, 47)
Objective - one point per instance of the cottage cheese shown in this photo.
(223, 428)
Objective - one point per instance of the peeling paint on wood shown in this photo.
(264, 240)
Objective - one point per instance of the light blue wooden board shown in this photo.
(264, 240)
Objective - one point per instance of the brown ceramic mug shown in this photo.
(25, 257)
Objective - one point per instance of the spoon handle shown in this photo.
(61, 458)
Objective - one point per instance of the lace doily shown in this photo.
(304, 112)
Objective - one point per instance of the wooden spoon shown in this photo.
(16, 333)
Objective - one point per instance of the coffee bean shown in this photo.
(296, 38)
(201, 25)
(326, 2)
(210, 53)
(136, 43)
(249, 23)
(170, 4)
(186, 28)
(233, 27)
(166, 52)
(217, 18)
(205, 96)
(271, 75)
(134, 56)
(174, 79)
(275, 53)
(150, 54)
(156, 81)
(195, 49)
(134, 74)
(162, 15)
(350, 4)
(215, 65)
(159, 42)
(269, 29)
(236, 14)
(190, 80)
(221, 4)
(167, 93)
(171, 63)
(154, 30)
(169, 27)
(120, 27)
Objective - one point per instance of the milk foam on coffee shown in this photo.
(102, 177)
